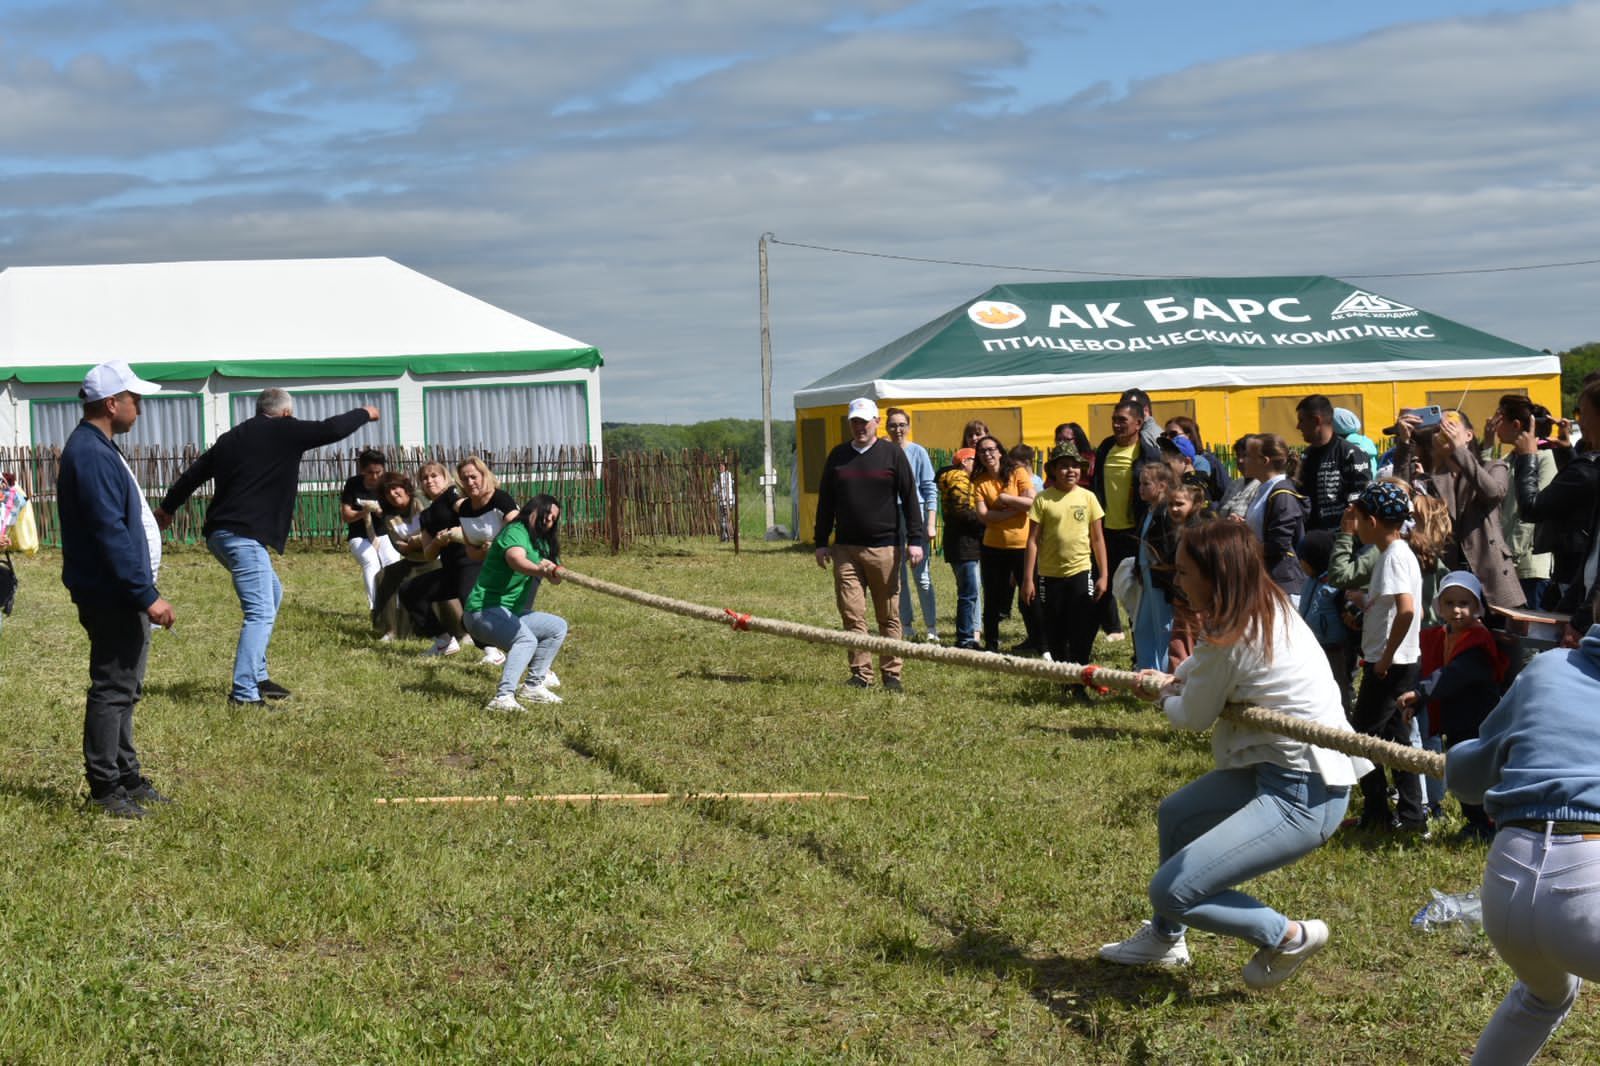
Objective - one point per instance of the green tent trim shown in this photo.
(586, 358)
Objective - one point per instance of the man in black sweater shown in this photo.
(1333, 472)
(866, 497)
(256, 465)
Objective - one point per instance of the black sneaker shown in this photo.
(1024, 649)
(118, 805)
(858, 682)
(234, 703)
(271, 690)
(145, 794)
(892, 684)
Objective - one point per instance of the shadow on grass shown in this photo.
(1068, 988)
(704, 673)
(42, 796)
(1096, 732)
(193, 690)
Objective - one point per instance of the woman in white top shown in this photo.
(1270, 799)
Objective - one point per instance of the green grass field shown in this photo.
(277, 915)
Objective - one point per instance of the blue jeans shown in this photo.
(968, 582)
(1230, 826)
(529, 640)
(1541, 911)
(260, 592)
(920, 578)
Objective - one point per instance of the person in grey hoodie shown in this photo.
(1535, 768)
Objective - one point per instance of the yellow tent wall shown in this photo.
(1224, 414)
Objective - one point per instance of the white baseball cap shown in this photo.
(863, 408)
(111, 378)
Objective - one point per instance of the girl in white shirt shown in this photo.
(1270, 799)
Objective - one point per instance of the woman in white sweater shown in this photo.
(1270, 799)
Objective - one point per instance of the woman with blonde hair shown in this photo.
(1270, 800)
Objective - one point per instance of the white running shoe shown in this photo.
(1271, 967)
(933, 638)
(466, 641)
(551, 680)
(494, 656)
(538, 694)
(1147, 948)
(445, 645)
(503, 703)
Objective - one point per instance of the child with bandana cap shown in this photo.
(1390, 650)
(1463, 673)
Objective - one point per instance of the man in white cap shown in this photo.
(866, 492)
(110, 556)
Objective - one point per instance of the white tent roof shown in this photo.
(248, 309)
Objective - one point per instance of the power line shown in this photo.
(1164, 274)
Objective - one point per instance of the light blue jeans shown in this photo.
(921, 579)
(1227, 827)
(968, 584)
(529, 640)
(260, 593)
(1541, 909)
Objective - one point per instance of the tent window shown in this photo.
(941, 429)
(316, 406)
(164, 422)
(1278, 414)
(813, 451)
(1476, 404)
(1099, 426)
(497, 417)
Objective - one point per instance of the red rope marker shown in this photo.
(1088, 679)
(737, 620)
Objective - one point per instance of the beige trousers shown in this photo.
(856, 573)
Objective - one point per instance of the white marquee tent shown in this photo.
(443, 368)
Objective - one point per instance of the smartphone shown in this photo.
(1431, 415)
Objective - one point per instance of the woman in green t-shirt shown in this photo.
(499, 610)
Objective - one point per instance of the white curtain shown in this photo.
(164, 421)
(498, 417)
(315, 406)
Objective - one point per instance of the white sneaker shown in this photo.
(494, 656)
(503, 703)
(445, 645)
(466, 641)
(551, 680)
(1147, 948)
(387, 638)
(538, 694)
(933, 638)
(1271, 967)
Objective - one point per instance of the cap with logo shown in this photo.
(1180, 444)
(863, 408)
(114, 377)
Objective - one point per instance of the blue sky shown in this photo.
(607, 168)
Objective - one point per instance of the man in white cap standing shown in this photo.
(866, 492)
(110, 556)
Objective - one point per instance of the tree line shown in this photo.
(1575, 364)
(718, 435)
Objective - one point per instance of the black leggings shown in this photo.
(1001, 570)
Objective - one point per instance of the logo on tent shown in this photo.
(1360, 304)
(994, 314)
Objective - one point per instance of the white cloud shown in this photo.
(633, 223)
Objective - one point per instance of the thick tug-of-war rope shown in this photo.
(1103, 678)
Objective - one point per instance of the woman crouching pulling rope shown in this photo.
(1270, 800)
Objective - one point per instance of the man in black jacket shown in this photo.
(1333, 472)
(256, 465)
(867, 491)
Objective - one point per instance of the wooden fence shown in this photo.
(616, 501)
